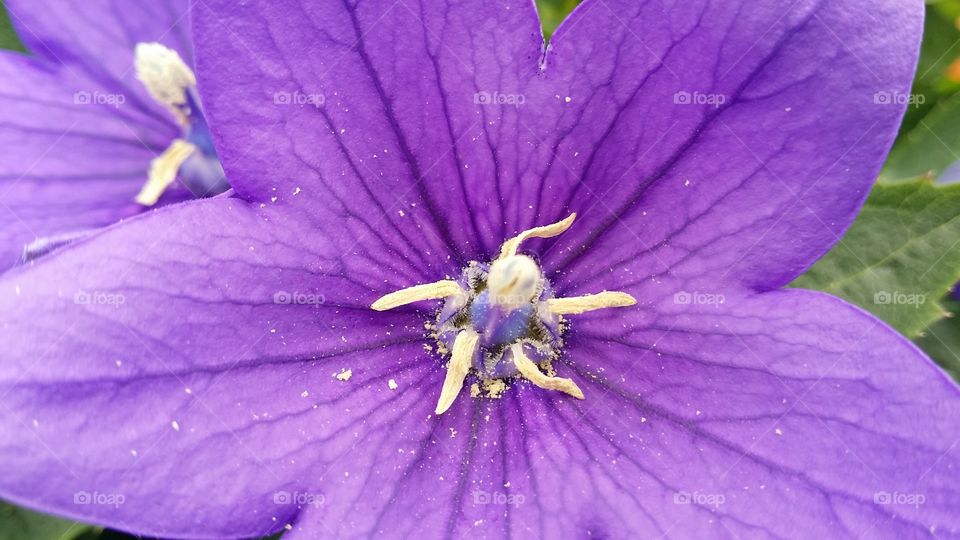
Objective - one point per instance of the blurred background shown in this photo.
(905, 245)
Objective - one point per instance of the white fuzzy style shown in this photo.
(514, 281)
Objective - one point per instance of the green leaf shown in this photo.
(929, 138)
(942, 339)
(930, 147)
(552, 13)
(948, 8)
(19, 524)
(940, 48)
(8, 38)
(899, 257)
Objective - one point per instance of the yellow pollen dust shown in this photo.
(467, 340)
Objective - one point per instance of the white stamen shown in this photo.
(163, 171)
(513, 281)
(463, 349)
(581, 304)
(167, 79)
(511, 246)
(530, 371)
(166, 76)
(428, 291)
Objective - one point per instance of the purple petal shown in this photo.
(373, 110)
(72, 156)
(733, 140)
(162, 367)
(758, 417)
(951, 175)
(803, 412)
(185, 365)
(77, 130)
(94, 41)
(97, 38)
(784, 161)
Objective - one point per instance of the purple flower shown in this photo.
(215, 369)
(951, 175)
(97, 122)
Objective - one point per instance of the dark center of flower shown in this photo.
(501, 321)
(191, 157)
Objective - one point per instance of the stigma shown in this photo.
(190, 157)
(500, 320)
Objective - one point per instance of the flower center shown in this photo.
(192, 157)
(501, 320)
